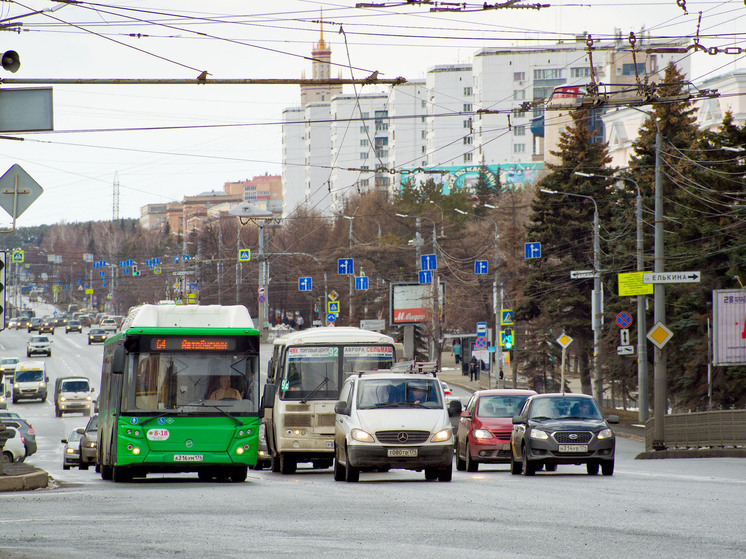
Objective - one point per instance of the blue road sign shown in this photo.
(156, 261)
(244, 255)
(506, 316)
(185, 257)
(425, 277)
(361, 283)
(481, 343)
(481, 266)
(125, 270)
(624, 320)
(95, 265)
(532, 250)
(332, 307)
(331, 317)
(305, 284)
(481, 327)
(262, 299)
(176, 258)
(428, 262)
(345, 266)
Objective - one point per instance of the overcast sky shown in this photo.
(77, 163)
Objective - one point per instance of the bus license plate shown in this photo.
(402, 452)
(573, 448)
(329, 444)
(188, 457)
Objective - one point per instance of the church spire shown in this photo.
(322, 44)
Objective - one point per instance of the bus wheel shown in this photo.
(120, 474)
(287, 464)
(106, 472)
(238, 474)
(276, 464)
(204, 475)
(322, 464)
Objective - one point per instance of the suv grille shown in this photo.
(565, 437)
(402, 437)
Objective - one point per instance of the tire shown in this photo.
(528, 468)
(65, 467)
(515, 465)
(322, 464)
(352, 474)
(445, 474)
(592, 468)
(204, 475)
(7, 457)
(288, 464)
(106, 472)
(339, 470)
(238, 474)
(120, 475)
(471, 464)
(460, 463)
(98, 468)
(57, 412)
(276, 464)
(89, 342)
(550, 467)
(431, 474)
(83, 466)
(607, 468)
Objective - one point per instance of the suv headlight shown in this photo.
(362, 436)
(441, 436)
(539, 434)
(605, 434)
(482, 434)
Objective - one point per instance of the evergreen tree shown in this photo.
(564, 227)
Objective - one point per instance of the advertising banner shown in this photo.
(729, 332)
(412, 303)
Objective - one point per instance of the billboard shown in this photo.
(729, 332)
(512, 175)
(412, 303)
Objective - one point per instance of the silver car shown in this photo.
(39, 345)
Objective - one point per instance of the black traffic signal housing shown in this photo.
(3, 256)
(135, 271)
(508, 340)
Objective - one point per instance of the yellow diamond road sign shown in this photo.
(659, 335)
(564, 340)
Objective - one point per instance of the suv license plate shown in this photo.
(402, 452)
(188, 457)
(573, 448)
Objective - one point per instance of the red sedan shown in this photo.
(485, 427)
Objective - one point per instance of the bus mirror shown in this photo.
(268, 398)
(117, 361)
(270, 369)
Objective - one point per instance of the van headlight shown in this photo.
(362, 436)
(442, 436)
(63, 399)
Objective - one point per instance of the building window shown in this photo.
(365, 116)
(467, 107)
(548, 74)
(519, 148)
(519, 130)
(423, 149)
(382, 181)
(382, 153)
(423, 134)
(519, 76)
(363, 155)
(423, 103)
(467, 157)
(467, 92)
(363, 129)
(380, 142)
(467, 123)
(520, 114)
(467, 140)
(422, 119)
(364, 182)
(363, 142)
(519, 94)
(629, 69)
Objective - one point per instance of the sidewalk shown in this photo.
(19, 476)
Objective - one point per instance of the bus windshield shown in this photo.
(192, 382)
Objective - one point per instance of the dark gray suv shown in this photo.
(557, 429)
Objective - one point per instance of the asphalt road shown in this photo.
(661, 508)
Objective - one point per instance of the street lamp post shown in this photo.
(642, 352)
(598, 389)
(352, 218)
(496, 306)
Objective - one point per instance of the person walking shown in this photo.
(456, 351)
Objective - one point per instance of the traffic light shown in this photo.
(2, 289)
(135, 271)
(11, 61)
(508, 340)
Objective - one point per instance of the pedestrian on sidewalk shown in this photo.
(473, 369)
(456, 351)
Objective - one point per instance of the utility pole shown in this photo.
(659, 303)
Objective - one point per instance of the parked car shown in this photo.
(47, 326)
(73, 326)
(73, 394)
(14, 451)
(109, 324)
(554, 429)
(39, 345)
(392, 420)
(96, 335)
(8, 366)
(71, 450)
(485, 427)
(33, 324)
(5, 392)
(26, 430)
(30, 381)
(88, 442)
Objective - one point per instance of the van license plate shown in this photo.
(188, 457)
(402, 452)
(573, 448)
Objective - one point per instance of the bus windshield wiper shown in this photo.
(221, 410)
(315, 390)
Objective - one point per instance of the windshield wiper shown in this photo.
(540, 418)
(315, 390)
(221, 410)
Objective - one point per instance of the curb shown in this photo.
(35, 480)
(694, 453)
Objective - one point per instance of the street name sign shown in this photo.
(671, 277)
(625, 350)
(581, 274)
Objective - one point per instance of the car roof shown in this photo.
(562, 395)
(504, 392)
(394, 376)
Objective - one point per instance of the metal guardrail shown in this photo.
(711, 429)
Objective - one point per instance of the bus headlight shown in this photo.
(362, 436)
(239, 450)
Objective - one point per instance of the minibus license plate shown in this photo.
(573, 448)
(188, 457)
(402, 452)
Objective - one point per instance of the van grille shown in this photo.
(402, 437)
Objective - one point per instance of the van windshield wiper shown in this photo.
(315, 390)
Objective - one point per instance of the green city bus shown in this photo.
(180, 393)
